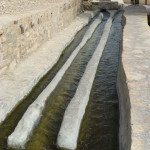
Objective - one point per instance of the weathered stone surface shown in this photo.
(15, 7)
(142, 2)
(134, 81)
(120, 2)
(108, 5)
(87, 5)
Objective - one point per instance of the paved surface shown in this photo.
(136, 64)
(16, 84)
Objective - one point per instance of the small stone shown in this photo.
(133, 76)
(3, 39)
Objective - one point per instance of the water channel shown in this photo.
(12, 120)
(100, 126)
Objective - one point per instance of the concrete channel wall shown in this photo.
(22, 34)
(124, 104)
(133, 81)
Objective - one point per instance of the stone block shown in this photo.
(108, 5)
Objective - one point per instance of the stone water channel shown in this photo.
(100, 126)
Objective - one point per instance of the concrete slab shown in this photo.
(134, 81)
(108, 5)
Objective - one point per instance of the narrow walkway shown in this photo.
(136, 66)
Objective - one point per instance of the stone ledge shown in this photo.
(134, 81)
(108, 5)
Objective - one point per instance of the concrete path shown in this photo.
(16, 84)
(136, 66)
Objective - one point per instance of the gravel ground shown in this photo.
(13, 7)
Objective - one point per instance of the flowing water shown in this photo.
(99, 130)
(100, 126)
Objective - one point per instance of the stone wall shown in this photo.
(23, 34)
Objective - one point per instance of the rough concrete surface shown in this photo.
(25, 126)
(108, 5)
(119, 1)
(69, 131)
(16, 84)
(134, 81)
